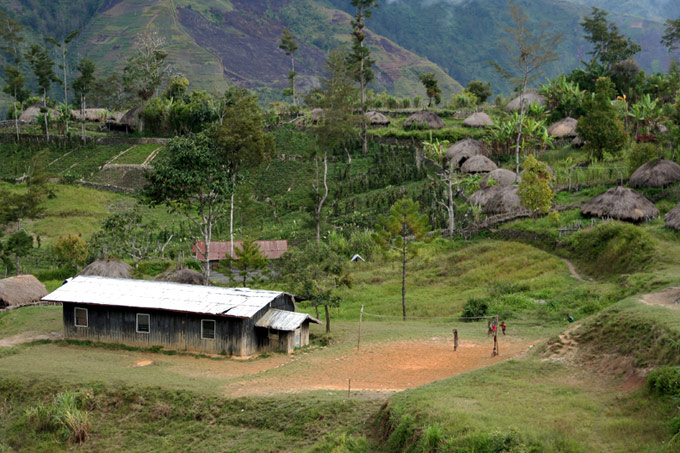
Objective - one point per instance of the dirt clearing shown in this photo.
(669, 298)
(26, 337)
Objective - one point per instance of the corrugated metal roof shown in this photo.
(220, 249)
(283, 320)
(212, 300)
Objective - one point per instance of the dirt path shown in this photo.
(669, 298)
(27, 337)
(572, 269)
(382, 367)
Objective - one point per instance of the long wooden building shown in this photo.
(233, 321)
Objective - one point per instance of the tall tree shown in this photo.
(335, 129)
(399, 231)
(671, 37)
(360, 60)
(11, 41)
(82, 86)
(535, 189)
(609, 46)
(43, 68)
(601, 128)
(530, 52)
(248, 259)
(63, 47)
(289, 46)
(434, 93)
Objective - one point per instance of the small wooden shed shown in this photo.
(233, 321)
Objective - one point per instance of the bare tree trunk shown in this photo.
(521, 121)
(403, 279)
(362, 82)
(452, 219)
(82, 115)
(63, 53)
(231, 222)
(328, 318)
(323, 198)
(47, 131)
(292, 80)
(16, 117)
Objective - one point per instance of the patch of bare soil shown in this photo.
(27, 337)
(669, 298)
(378, 368)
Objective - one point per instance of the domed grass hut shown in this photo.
(21, 290)
(462, 150)
(672, 218)
(30, 115)
(478, 119)
(657, 173)
(564, 128)
(529, 98)
(377, 119)
(108, 268)
(131, 121)
(186, 276)
(620, 203)
(478, 164)
(93, 115)
(496, 199)
(424, 120)
(316, 115)
(502, 177)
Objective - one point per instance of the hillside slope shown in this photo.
(215, 41)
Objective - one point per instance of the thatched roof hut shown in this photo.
(186, 276)
(132, 118)
(529, 98)
(621, 203)
(21, 290)
(93, 115)
(426, 117)
(377, 119)
(478, 164)
(577, 142)
(657, 173)
(672, 218)
(31, 113)
(502, 177)
(496, 199)
(565, 127)
(108, 268)
(478, 119)
(462, 150)
(316, 115)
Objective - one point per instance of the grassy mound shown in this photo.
(612, 248)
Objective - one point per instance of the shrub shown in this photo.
(640, 154)
(463, 100)
(475, 307)
(612, 248)
(665, 381)
(65, 415)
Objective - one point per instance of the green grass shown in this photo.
(31, 319)
(137, 155)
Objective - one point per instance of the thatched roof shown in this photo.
(657, 173)
(565, 127)
(462, 150)
(496, 199)
(108, 268)
(502, 177)
(377, 119)
(186, 276)
(620, 203)
(478, 119)
(316, 115)
(577, 142)
(21, 290)
(131, 117)
(91, 115)
(529, 98)
(478, 164)
(31, 113)
(425, 117)
(672, 218)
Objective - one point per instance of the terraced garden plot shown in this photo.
(137, 154)
(83, 162)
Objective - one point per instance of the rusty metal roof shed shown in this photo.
(220, 249)
(284, 320)
(211, 300)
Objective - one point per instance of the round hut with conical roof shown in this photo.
(462, 150)
(21, 290)
(108, 268)
(529, 98)
(496, 199)
(132, 119)
(621, 203)
(31, 114)
(657, 173)
(502, 177)
(183, 275)
(478, 164)
(672, 218)
(377, 119)
(478, 119)
(564, 128)
(424, 119)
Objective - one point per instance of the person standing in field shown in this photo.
(570, 318)
(503, 327)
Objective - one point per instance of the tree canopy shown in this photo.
(609, 46)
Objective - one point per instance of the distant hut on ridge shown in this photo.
(496, 199)
(478, 164)
(502, 177)
(21, 290)
(131, 121)
(183, 275)
(621, 203)
(657, 173)
(672, 218)
(565, 127)
(462, 150)
(529, 98)
(92, 115)
(377, 119)
(108, 268)
(30, 115)
(478, 119)
(430, 119)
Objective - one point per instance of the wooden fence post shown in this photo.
(361, 317)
